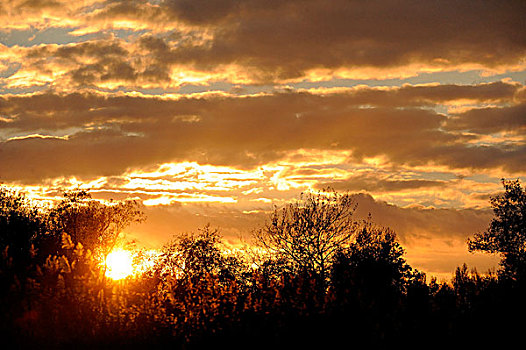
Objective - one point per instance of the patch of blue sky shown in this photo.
(519, 76)
(12, 68)
(152, 91)
(185, 89)
(440, 203)
(23, 90)
(482, 178)
(7, 133)
(471, 77)
(486, 178)
(440, 109)
(145, 91)
(443, 78)
(236, 89)
(128, 34)
(52, 35)
(60, 36)
(212, 86)
(430, 175)
(450, 77)
(92, 7)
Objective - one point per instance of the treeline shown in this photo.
(317, 278)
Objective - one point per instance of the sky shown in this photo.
(217, 111)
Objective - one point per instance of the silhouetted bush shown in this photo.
(198, 293)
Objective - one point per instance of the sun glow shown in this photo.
(119, 264)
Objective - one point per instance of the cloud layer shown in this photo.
(89, 134)
(215, 110)
(169, 43)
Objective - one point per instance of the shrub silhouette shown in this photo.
(93, 224)
(20, 228)
(324, 279)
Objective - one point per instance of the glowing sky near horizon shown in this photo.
(214, 111)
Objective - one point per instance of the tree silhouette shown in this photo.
(506, 233)
(199, 283)
(321, 280)
(52, 283)
(308, 233)
(94, 224)
(21, 225)
(369, 280)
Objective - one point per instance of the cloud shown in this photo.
(489, 120)
(95, 63)
(25, 14)
(106, 134)
(280, 41)
(274, 41)
(370, 184)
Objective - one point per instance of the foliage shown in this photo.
(506, 233)
(373, 263)
(354, 285)
(20, 224)
(93, 224)
(20, 228)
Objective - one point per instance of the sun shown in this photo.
(119, 264)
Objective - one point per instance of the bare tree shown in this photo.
(309, 232)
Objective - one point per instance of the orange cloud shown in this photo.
(274, 42)
(101, 135)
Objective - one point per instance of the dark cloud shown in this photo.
(281, 40)
(487, 93)
(95, 62)
(85, 154)
(111, 133)
(413, 222)
(205, 12)
(491, 120)
(38, 4)
(29, 7)
(57, 111)
(275, 40)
